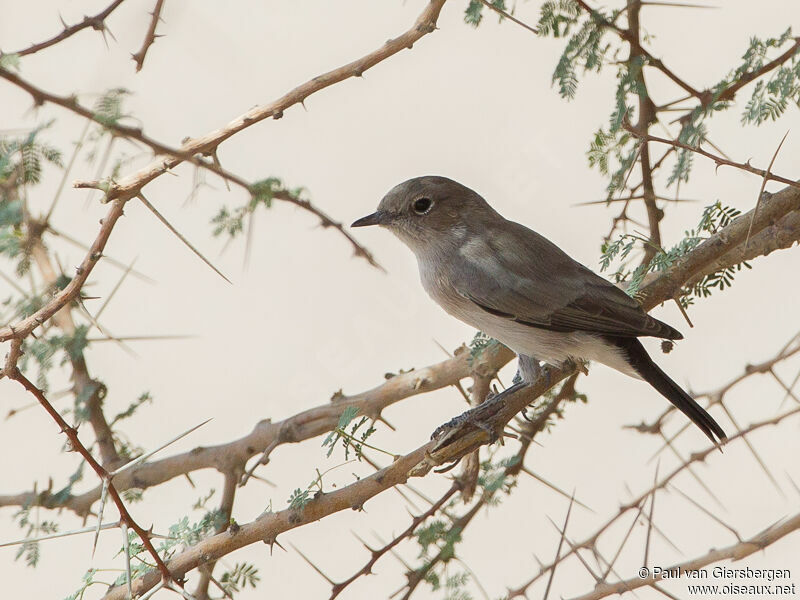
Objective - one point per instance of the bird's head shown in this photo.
(429, 211)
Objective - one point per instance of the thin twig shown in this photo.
(72, 436)
(717, 159)
(509, 16)
(150, 36)
(761, 191)
(179, 235)
(96, 22)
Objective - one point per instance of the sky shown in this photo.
(304, 318)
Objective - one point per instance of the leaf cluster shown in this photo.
(239, 577)
(230, 221)
(354, 440)
(473, 14)
(43, 350)
(33, 527)
(714, 217)
(109, 109)
(479, 344)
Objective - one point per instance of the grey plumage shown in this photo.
(520, 288)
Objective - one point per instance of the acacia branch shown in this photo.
(631, 36)
(23, 328)
(779, 235)
(267, 527)
(193, 149)
(375, 555)
(207, 144)
(506, 15)
(527, 432)
(225, 513)
(84, 385)
(591, 541)
(716, 396)
(730, 92)
(735, 551)
(150, 36)
(266, 434)
(647, 115)
(721, 161)
(77, 445)
(132, 185)
(730, 239)
(96, 22)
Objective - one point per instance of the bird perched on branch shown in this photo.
(518, 287)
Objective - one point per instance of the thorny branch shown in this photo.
(591, 541)
(193, 150)
(717, 396)
(23, 328)
(136, 133)
(648, 112)
(377, 554)
(150, 36)
(226, 511)
(719, 160)
(647, 115)
(75, 444)
(736, 551)
(84, 385)
(207, 145)
(129, 187)
(631, 35)
(528, 429)
(268, 435)
(96, 22)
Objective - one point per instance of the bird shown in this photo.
(520, 288)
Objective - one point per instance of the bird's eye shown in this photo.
(422, 205)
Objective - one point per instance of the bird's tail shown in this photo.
(642, 363)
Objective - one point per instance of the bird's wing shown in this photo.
(517, 274)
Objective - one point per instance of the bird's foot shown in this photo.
(475, 418)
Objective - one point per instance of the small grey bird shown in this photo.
(516, 286)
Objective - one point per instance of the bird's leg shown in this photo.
(528, 368)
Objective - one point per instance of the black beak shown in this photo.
(373, 219)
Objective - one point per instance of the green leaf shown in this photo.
(299, 498)
(9, 61)
(348, 414)
(108, 109)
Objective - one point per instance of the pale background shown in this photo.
(305, 319)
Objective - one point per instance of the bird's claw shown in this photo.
(479, 417)
(459, 425)
(448, 430)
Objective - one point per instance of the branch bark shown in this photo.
(781, 207)
(207, 144)
(150, 36)
(266, 434)
(735, 551)
(24, 327)
(96, 22)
